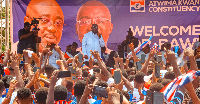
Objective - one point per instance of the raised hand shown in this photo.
(116, 58)
(78, 72)
(13, 83)
(15, 61)
(113, 96)
(45, 50)
(12, 86)
(85, 56)
(95, 54)
(88, 88)
(91, 61)
(25, 53)
(59, 62)
(36, 59)
(54, 77)
(119, 85)
(188, 52)
(170, 56)
(120, 60)
(152, 53)
(57, 48)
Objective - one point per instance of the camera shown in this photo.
(35, 21)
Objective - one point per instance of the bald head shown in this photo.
(95, 7)
(94, 12)
(40, 6)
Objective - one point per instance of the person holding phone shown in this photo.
(92, 40)
(55, 55)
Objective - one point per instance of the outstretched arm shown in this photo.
(145, 66)
(50, 96)
(102, 65)
(15, 62)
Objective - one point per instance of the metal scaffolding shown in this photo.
(4, 24)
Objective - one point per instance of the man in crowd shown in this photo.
(73, 51)
(104, 55)
(26, 38)
(51, 24)
(94, 12)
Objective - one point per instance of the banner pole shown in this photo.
(7, 24)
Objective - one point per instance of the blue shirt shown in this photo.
(74, 101)
(91, 42)
(69, 96)
(97, 102)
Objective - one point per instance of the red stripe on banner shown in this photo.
(179, 81)
(133, 3)
(171, 96)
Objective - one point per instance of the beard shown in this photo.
(95, 31)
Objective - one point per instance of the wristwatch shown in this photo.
(8, 96)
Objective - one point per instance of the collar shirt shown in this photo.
(91, 42)
(52, 59)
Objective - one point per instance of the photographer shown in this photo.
(26, 37)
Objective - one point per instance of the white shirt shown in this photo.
(52, 59)
(91, 42)
(14, 94)
(110, 80)
(162, 73)
(1, 100)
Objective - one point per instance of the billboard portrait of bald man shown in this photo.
(51, 24)
(94, 12)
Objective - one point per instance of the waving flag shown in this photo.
(170, 89)
(139, 48)
(155, 46)
(61, 102)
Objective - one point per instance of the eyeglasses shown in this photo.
(45, 22)
(98, 21)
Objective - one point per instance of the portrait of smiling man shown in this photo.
(50, 23)
(94, 12)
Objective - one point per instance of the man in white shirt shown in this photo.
(92, 41)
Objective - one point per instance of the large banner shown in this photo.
(66, 21)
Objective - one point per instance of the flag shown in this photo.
(138, 49)
(61, 102)
(155, 46)
(170, 89)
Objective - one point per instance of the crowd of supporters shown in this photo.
(34, 79)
